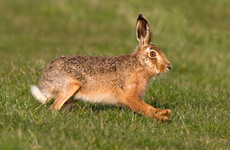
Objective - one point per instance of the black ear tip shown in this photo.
(141, 16)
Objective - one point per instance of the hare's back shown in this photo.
(85, 68)
(93, 65)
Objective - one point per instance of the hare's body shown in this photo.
(102, 79)
(109, 80)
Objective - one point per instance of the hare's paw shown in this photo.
(163, 112)
(162, 119)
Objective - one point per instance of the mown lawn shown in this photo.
(193, 34)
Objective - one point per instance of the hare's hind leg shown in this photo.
(69, 104)
(64, 95)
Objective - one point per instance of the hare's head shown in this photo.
(148, 54)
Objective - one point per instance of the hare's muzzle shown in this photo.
(169, 67)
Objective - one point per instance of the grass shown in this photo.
(194, 35)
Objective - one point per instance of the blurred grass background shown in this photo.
(193, 34)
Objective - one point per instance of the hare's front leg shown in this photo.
(64, 95)
(141, 107)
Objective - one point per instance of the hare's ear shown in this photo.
(143, 32)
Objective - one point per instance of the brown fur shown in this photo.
(111, 80)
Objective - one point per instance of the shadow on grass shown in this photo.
(97, 108)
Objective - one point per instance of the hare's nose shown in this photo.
(169, 67)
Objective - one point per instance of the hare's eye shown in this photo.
(152, 54)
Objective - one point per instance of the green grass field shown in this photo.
(193, 34)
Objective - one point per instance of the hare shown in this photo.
(108, 80)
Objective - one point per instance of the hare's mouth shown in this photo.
(167, 69)
(160, 73)
(163, 72)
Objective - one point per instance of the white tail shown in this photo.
(36, 92)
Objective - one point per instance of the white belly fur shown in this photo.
(96, 98)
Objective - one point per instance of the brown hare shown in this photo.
(108, 80)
